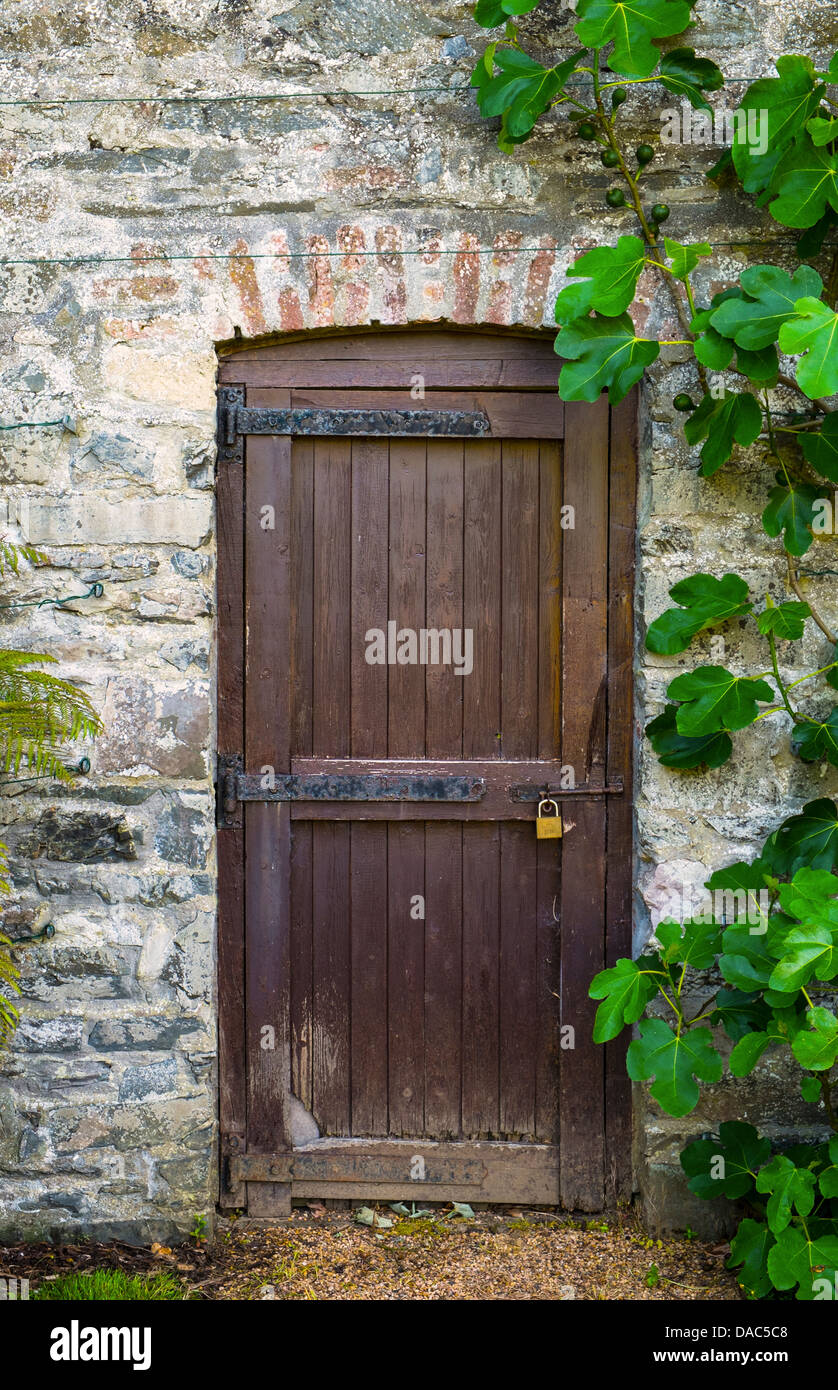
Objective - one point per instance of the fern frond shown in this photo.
(9, 1017)
(11, 659)
(9, 976)
(9, 973)
(39, 713)
(11, 556)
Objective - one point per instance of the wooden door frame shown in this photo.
(595, 1127)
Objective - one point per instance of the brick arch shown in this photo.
(383, 274)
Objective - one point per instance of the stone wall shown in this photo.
(269, 217)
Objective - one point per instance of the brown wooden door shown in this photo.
(414, 973)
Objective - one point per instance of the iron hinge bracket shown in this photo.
(228, 815)
(229, 436)
(233, 1190)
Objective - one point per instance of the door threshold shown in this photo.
(399, 1169)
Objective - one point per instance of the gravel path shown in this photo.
(328, 1255)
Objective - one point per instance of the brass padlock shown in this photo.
(548, 827)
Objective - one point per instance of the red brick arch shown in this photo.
(383, 273)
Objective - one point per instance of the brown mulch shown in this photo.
(327, 1255)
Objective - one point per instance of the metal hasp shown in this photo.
(235, 785)
(526, 792)
(235, 420)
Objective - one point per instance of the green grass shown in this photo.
(111, 1284)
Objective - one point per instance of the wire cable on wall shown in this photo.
(95, 591)
(37, 424)
(209, 98)
(428, 251)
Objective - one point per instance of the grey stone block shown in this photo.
(141, 1034)
(668, 1205)
(141, 1083)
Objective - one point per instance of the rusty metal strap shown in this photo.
(358, 787)
(354, 1168)
(242, 419)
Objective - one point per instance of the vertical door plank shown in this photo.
(481, 965)
(519, 715)
(443, 841)
(584, 677)
(301, 696)
(444, 594)
(406, 715)
(406, 842)
(332, 575)
(443, 977)
(482, 568)
(331, 978)
(405, 977)
(550, 600)
(548, 985)
(549, 747)
(623, 474)
(368, 886)
(268, 826)
(519, 649)
(368, 915)
(370, 593)
(302, 606)
(231, 1001)
(331, 738)
(481, 842)
(518, 978)
(301, 982)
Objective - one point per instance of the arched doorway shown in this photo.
(425, 617)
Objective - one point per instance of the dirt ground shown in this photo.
(330, 1255)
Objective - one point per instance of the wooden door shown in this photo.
(425, 622)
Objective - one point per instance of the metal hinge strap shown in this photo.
(236, 786)
(373, 786)
(235, 420)
(447, 423)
